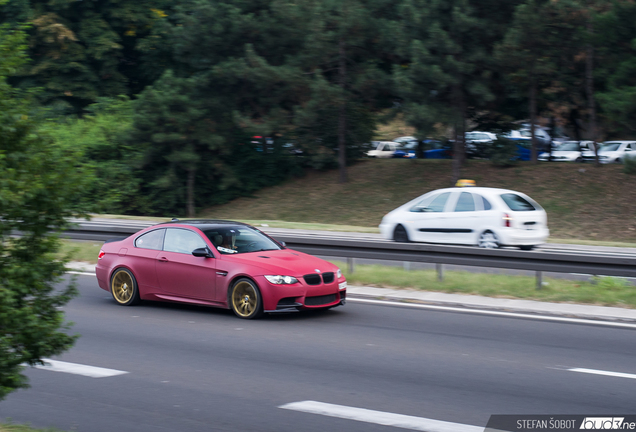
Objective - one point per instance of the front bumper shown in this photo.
(300, 296)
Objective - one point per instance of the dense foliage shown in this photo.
(39, 187)
(161, 99)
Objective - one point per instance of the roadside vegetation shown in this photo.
(602, 291)
(9, 427)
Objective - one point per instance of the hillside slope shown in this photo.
(583, 202)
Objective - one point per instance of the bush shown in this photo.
(503, 153)
(629, 165)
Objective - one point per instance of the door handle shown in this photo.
(162, 259)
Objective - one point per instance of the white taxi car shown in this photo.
(485, 217)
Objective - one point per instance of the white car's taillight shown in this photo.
(507, 220)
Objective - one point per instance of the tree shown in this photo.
(616, 39)
(100, 139)
(38, 185)
(526, 51)
(446, 71)
(83, 50)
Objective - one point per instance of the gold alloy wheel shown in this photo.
(245, 299)
(122, 286)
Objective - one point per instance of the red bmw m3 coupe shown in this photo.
(217, 263)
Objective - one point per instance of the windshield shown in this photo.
(476, 135)
(609, 147)
(240, 239)
(568, 146)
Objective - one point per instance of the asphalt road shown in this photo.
(199, 369)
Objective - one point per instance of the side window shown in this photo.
(465, 202)
(439, 202)
(486, 203)
(182, 241)
(151, 240)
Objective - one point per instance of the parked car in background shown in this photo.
(383, 149)
(485, 217)
(525, 135)
(434, 149)
(612, 152)
(406, 150)
(477, 143)
(568, 151)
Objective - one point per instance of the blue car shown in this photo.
(406, 150)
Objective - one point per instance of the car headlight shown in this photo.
(281, 280)
(339, 274)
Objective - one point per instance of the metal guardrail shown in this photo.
(349, 247)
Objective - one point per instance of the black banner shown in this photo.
(556, 423)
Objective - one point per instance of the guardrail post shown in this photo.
(406, 265)
(351, 264)
(440, 272)
(539, 280)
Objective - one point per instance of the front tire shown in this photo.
(124, 288)
(488, 240)
(400, 235)
(245, 299)
(526, 247)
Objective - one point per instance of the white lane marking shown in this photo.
(78, 369)
(379, 417)
(492, 312)
(80, 273)
(602, 372)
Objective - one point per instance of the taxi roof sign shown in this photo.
(465, 182)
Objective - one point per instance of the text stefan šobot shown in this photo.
(542, 423)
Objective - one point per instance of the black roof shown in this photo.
(205, 223)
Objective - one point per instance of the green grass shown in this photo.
(606, 291)
(80, 250)
(9, 427)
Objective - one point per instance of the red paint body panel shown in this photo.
(181, 277)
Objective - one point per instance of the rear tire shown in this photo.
(488, 240)
(526, 247)
(400, 235)
(124, 288)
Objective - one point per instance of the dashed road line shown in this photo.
(78, 369)
(379, 417)
(602, 372)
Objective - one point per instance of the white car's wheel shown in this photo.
(400, 234)
(488, 240)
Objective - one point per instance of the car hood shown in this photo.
(568, 153)
(604, 153)
(286, 262)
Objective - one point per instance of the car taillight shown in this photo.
(101, 254)
(507, 219)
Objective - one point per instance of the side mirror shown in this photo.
(283, 244)
(202, 252)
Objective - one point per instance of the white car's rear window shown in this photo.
(518, 203)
